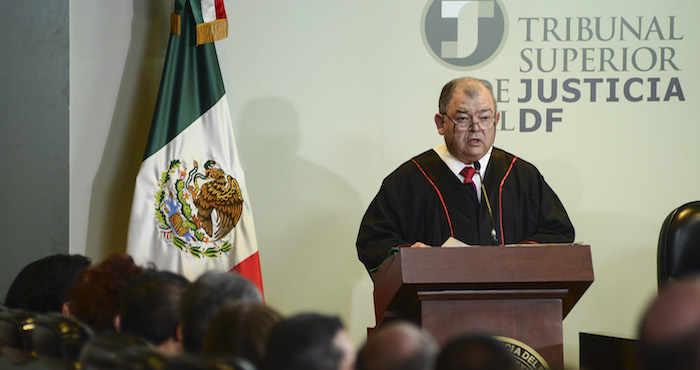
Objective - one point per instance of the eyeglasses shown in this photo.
(465, 122)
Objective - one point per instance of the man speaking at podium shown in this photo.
(465, 188)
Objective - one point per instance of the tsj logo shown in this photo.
(464, 34)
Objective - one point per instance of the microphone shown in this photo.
(494, 238)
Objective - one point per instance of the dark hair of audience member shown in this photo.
(241, 330)
(475, 352)
(150, 307)
(42, 285)
(305, 342)
(96, 296)
(398, 345)
(205, 297)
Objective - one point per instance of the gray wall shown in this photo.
(34, 125)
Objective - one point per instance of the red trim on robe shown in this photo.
(447, 214)
(500, 200)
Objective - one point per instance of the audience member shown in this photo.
(397, 346)
(203, 300)
(241, 330)
(669, 331)
(309, 341)
(96, 296)
(475, 352)
(42, 285)
(150, 308)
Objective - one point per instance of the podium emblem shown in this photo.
(525, 356)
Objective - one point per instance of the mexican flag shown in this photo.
(191, 211)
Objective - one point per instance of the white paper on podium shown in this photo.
(451, 242)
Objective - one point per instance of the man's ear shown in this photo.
(178, 333)
(117, 322)
(65, 309)
(440, 123)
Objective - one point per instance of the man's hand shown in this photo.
(420, 245)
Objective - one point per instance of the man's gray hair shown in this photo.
(472, 87)
(206, 297)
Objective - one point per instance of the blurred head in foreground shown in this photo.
(309, 341)
(96, 297)
(241, 330)
(475, 352)
(669, 331)
(42, 286)
(397, 346)
(206, 297)
(150, 309)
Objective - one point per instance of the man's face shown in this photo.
(473, 142)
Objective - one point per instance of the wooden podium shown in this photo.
(521, 292)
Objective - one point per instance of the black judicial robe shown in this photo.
(424, 201)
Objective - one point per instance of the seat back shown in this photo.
(144, 358)
(106, 351)
(678, 253)
(58, 339)
(16, 328)
(203, 361)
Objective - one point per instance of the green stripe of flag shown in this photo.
(179, 6)
(197, 10)
(190, 85)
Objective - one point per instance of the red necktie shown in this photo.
(468, 172)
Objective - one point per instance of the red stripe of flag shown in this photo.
(250, 269)
(220, 11)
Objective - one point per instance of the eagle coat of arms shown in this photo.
(195, 210)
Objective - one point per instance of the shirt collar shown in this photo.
(455, 165)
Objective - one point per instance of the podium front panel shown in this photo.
(537, 323)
